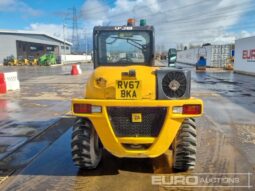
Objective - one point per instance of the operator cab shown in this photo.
(123, 45)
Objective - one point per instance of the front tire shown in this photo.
(184, 151)
(86, 146)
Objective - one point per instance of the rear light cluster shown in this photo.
(188, 109)
(86, 108)
(185, 109)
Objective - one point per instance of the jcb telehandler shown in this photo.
(131, 107)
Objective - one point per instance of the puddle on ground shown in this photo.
(229, 82)
(206, 82)
(247, 95)
(9, 106)
(233, 91)
(19, 130)
(3, 148)
(8, 144)
(29, 152)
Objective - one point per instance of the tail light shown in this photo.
(86, 108)
(191, 109)
(188, 109)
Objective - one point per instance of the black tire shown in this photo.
(184, 148)
(86, 146)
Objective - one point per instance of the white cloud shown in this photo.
(56, 30)
(18, 6)
(6, 2)
(179, 21)
(51, 29)
(245, 34)
(175, 22)
(94, 10)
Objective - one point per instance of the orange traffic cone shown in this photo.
(74, 70)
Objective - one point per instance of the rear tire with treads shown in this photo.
(184, 147)
(86, 146)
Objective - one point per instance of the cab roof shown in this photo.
(123, 28)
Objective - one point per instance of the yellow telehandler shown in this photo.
(131, 107)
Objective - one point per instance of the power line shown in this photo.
(212, 15)
(184, 20)
(190, 18)
(200, 14)
(204, 21)
(208, 16)
(200, 18)
(248, 26)
(150, 4)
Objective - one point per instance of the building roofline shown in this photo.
(34, 33)
(244, 38)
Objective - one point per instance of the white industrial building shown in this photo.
(245, 55)
(26, 43)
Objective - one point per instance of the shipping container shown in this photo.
(216, 55)
(245, 55)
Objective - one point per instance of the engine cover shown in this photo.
(173, 84)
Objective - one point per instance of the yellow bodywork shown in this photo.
(101, 84)
(100, 91)
(13, 63)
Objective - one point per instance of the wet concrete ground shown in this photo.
(226, 138)
(44, 97)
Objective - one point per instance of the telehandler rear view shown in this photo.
(131, 107)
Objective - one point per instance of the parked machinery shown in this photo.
(22, 61)
(131, 107)
(32, 61)
(201, 63)
(163, 56)
(157, 56)
(229, 63)
(47, 59)
(10, 61)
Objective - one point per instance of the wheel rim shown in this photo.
(97, 144)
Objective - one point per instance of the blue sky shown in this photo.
(49, 11)
(176, 21)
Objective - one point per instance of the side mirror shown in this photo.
(172, 55)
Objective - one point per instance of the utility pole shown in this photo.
(86, 41)
(64, 41)
(75, 35)
(64, 38)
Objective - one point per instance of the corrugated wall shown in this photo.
(216, 55)
(7, 47)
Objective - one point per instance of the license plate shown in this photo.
(128, 89)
